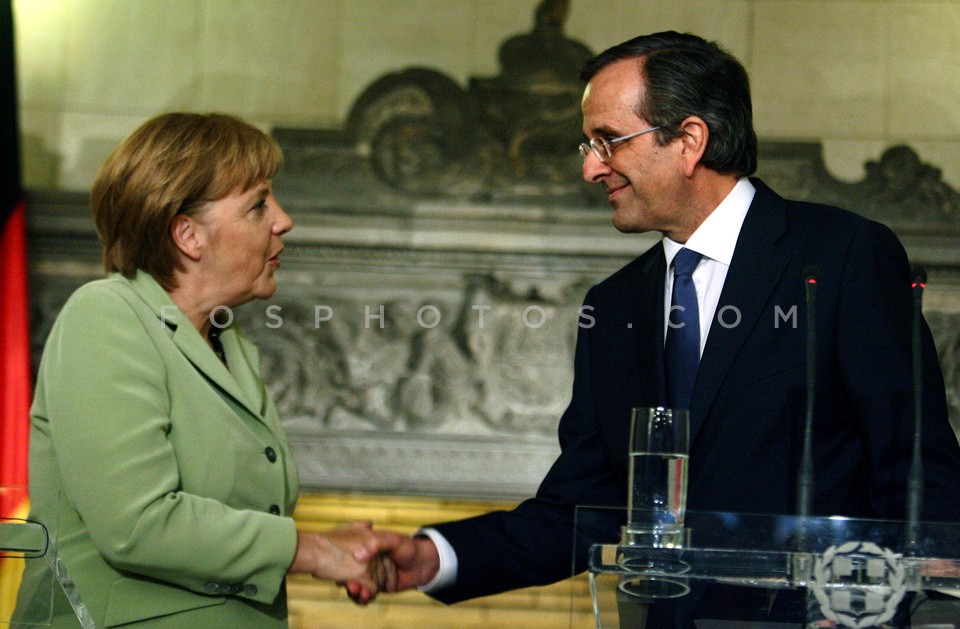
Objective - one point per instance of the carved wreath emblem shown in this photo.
(858, 584)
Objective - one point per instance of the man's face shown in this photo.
(643, 180)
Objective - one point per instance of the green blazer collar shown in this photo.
(242, 381)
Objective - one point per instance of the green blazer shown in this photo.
(176, 480)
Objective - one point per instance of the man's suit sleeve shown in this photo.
(106, 407)
(534, 543)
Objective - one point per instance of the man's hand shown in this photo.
(415, 559)
(407, 562)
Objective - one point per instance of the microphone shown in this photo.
(915, 475)
(805, 475)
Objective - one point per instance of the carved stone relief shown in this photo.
(513, 135)
(416, 133)
(483, 362)
(899, 189)
(443, 388)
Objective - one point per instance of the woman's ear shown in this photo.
(186, 236)
(694, 141)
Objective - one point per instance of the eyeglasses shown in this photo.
(603, 149)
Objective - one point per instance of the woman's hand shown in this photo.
(347, 553)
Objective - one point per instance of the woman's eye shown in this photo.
(260, 206)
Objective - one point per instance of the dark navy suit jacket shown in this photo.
(749, 398)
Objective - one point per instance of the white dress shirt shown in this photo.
(715, 240)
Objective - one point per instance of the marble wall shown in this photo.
(856, 75)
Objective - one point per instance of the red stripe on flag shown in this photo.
(14, 357)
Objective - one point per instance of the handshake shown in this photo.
(366, 562)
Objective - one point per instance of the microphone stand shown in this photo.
(802, 563)
(915, 475)
(805, 475)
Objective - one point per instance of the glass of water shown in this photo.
(657, 499)
(654, 535)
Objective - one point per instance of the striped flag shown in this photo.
(15, 386)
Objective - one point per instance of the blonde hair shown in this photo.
(171, 165)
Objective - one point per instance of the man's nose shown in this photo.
(593, 169)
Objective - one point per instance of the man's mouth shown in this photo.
(613, 190)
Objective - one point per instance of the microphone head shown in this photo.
(918, 275)
(811, 274)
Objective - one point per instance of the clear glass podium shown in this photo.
(826, 571)
(31, 573)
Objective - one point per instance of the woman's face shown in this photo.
(242, 246)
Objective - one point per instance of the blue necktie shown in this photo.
(682, 348)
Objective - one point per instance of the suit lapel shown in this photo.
(188, 340)
(244, 361)
(627, 347)
(755, 270)
(653, 389)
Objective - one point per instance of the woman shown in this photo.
(150, 416)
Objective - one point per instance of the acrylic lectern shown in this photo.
(800, 572)
(31, 573)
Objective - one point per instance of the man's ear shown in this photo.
(186, 236)
(693, 142)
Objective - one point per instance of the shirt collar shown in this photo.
(716, 238)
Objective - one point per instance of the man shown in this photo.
(672, 143)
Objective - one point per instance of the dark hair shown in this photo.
(171, 165)
(686, 75)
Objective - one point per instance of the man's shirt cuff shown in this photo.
(447, 574)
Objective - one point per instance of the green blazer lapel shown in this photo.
(244, 362)
(195, 349)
